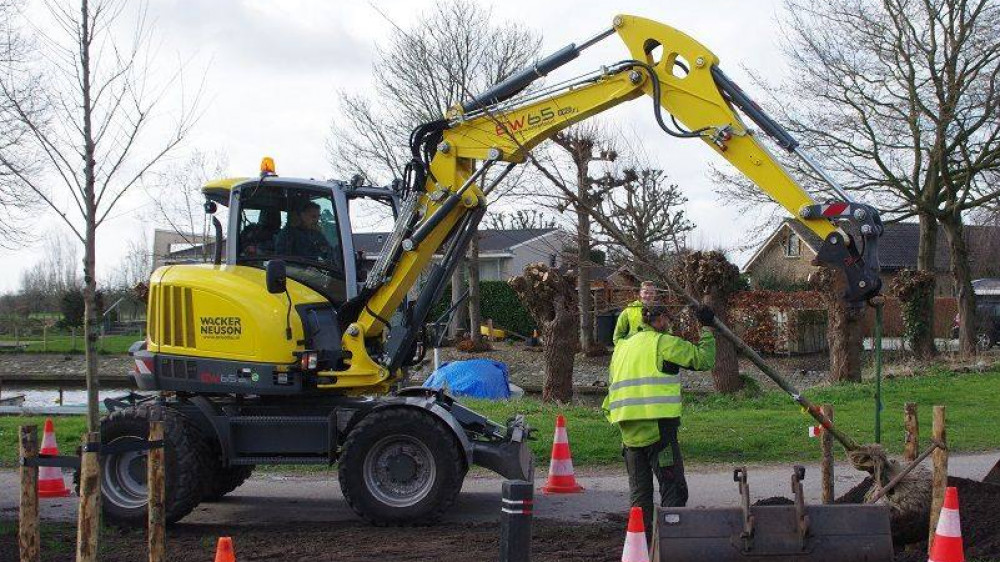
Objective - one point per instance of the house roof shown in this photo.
(490, 241)
(899, 244)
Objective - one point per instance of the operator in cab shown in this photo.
(630, 319)
(302, 236)
(644, 401)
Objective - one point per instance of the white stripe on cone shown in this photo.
(949, 524)
(635, 548)
(561, 436)
(562, 467)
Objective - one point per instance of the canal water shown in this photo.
(37, 396)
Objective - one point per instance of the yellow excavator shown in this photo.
(291, 348)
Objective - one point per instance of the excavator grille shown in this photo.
(172, 319)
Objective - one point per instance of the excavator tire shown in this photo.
(401, 466)
(219, 479)
(123, 475)
(225, 480)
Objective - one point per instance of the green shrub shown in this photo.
(497, 301)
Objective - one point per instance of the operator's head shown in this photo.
(309, 215)
(647, 292)
(656, 316)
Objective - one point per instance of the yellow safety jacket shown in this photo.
(645, 374)
(628, 322)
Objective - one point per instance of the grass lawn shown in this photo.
(719, 429)
(110, 345)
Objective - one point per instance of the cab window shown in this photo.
(299, 226)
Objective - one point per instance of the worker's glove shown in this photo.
(704, 314)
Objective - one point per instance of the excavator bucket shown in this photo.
(792, 533)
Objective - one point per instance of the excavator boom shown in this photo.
(443, 200)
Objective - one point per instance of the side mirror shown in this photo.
(276, 277)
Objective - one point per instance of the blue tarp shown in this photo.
(479, 378)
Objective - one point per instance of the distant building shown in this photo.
(785, 258)
(502, 253)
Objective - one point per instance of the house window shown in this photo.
(792, 246)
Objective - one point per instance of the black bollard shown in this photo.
(515, 521)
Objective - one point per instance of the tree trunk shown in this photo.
(460, 317)
(726, 373)
(475, 318)
(844, 332)
(560, 335)
(923, 345)
(584, 296)
(962, 275)
(90, 311)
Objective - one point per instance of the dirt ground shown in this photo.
(345, 542)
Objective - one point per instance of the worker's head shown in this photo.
(309, 215)
(647, 292)
(656, 316)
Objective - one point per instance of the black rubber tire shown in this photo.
(448, 459)
(218, 480)
(184, 468)
(225, 480)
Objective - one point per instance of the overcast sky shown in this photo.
(271, 72)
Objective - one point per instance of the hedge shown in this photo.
(497, 301)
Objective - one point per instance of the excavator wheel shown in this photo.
(123, 475)
(219, 479)
(401, 466)
(225, 480)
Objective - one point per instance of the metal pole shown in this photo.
(515, 521)
(878, 373)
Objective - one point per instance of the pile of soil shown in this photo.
(979, 511)
(342, 542)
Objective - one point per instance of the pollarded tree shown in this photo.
(550, 298)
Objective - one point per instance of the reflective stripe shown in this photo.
(656, 380)
(949, 524)
(561, 467)
(644, 401)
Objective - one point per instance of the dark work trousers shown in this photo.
(662, 460)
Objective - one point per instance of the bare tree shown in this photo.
(521, 219)
(90, 114)
(57, 271)
(650, 211)
(15, 144)
(135, 267)
(439, 60)
(178, 199)
(899, 99)
(574, 150)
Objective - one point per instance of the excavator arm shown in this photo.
(443, 200)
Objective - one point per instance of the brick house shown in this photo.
(785, 258)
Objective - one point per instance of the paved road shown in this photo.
(273, 498)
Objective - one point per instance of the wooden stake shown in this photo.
(157, 512)
(940, 477)
(88, 520)
(28, 535)
(827, 468)
(912, 443)
(489, 324)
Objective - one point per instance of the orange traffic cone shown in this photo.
(224, 551)
(947, 545)
(635, 538)
(50, 478)
(561, 478)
